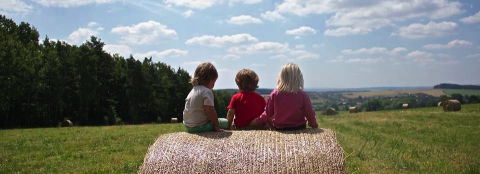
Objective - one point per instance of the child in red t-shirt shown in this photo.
(246, 105)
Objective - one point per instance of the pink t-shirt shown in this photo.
(289, 110)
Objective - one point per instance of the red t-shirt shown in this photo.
(248, 106)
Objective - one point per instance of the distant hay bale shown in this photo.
(66, 123)
(174, 120)
(440, 104)
(405, 106)
(353, 109)
(330, 111)
(255, 151)
(452, 105)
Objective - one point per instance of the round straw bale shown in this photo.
(331, 111)
(353, 109)
(174, 120)
(452, 105)
(405, 106)
(440, 104)
(255, 151)
(66, 123)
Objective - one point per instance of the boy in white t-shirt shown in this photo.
(199, 114)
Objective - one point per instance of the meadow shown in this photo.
(462, 91)
(393, 93)
(423, 140)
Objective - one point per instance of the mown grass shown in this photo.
(424, 140)
(462, 91)
(106, 149)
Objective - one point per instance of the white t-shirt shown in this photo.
(194, 113)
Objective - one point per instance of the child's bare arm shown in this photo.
(230, 115)
(212, 116)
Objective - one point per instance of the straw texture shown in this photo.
(256, 151)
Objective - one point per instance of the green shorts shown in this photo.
(208, 126)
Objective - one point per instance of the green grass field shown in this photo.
(424, 140)
(462, 91)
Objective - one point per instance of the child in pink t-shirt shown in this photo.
(246, 105)
(288, 107)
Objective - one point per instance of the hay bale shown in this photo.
(256, 151)
(440, 104)
(405, 106)
(174, 120)
(66, 123)
(452, 105)
(353, 109)
(331, 111)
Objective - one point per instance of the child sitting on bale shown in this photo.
(199, 114)
(247, 104)
(288, 107)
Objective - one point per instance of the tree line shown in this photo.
(41, 84)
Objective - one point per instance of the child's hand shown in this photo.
(217, 129)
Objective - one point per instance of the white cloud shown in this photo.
(302, 54)
(92, 24)
(82, 34)
(145, 33)
(14, 7)
(360, 17)
(451, 44)
(421, 57)
(279, 56)
(342, 59)
(364, 60)
(474, 56)
(301, 31)
(231, 57)
(194, 4)
(122, 50)
(170, 53)
(432, 29)
(261, 47)
(281, 50)
(272, 16)
(344, 31)
(472, 19)
(70, 3)
(374, 50)
(231, 2)
(226, 40)
(300, 46)
(244, 19)
(316, 46)
(188, 13)
(192, 63)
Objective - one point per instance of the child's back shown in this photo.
(248, 106)
(194, 113)
(290, 110)
(288, 107)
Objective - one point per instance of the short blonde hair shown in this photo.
(290, 79)
(204, 73)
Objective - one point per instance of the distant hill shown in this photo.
(455, 86)
(365, 89)
(261, 91)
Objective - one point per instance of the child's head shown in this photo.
(290, 79)
(204, 74)
(247, 80)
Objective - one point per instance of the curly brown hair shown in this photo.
(204, 73)
(247, 80)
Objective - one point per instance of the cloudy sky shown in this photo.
(336, 43)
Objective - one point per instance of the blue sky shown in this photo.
(336, 43)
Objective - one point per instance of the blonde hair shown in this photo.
(204, 73)
(290, 79)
